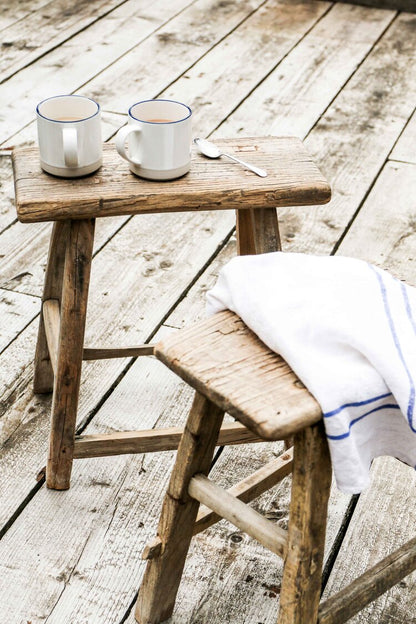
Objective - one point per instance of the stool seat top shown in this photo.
(293, 179)
(225, 361)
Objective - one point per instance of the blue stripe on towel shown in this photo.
(411, 403)
(356, 404)
(341, 436)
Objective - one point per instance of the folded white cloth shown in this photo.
(348, 330)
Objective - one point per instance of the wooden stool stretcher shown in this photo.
(75, 204)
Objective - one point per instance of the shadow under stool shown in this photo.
(74, 205)
(233, 371)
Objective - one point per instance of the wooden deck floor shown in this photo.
(343, 78)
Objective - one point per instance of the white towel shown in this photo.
(348, 330)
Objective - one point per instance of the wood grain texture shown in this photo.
(384, 232)
(42, 30)
(100, 44)
(397, 5)
(295, 95)
(17, 310)
(404, 149)
(251, 487)
(73, 306)
(369, 586)
(253, 50)
(161, 579)
(52, 323)
(223, 359)
(107, 353)
(154, 440)
(184, 39)
(311, 483)
(239, 514)
(293, 179)
(257, 231)
(52, 289)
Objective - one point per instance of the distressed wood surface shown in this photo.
(67, 378)
(311, 484)
(399, 5)
(101, 445)
(45, 365)
(101, 45)
(46, 28)
(123, 69)
(132, 283)
(404, 149)
(162, 576)
(340, 75)
(293, 179)
(221, 358)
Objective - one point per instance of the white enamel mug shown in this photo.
(69, 134)
(159, 139)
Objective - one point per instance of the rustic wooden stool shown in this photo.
(233, 371)
(74, 204)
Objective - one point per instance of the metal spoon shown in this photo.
(212, 151)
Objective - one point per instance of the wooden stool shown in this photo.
(233, 371)
(293, 179)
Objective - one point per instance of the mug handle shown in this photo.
(70, 141)
(121, 137)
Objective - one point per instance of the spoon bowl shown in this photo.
(210, 150)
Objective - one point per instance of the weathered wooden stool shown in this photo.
(233, 371)
(293, 180)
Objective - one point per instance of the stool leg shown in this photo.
(52, 289)
(161, 580)
(76, 276)
(257, 231)
(301, 584)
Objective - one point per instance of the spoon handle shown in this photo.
(257, 170)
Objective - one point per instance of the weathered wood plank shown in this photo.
(142, 52)
(250, 487)
(399, 5)
(297, 93)
(7, 209)
(145, 70)
(52, 326)
(73, 313)
(221, 358)
(13, 12)
(370, 585)
(16, 312)
(25, 251)
(404, 149)
(46, 28)
(144, 441)
(363, 120)
(252, 51)
(368, 540)
(384, 231)
(311, 485)
(47, 345)
(293, 179)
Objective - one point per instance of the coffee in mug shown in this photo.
(69, 134)
(159, 138)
